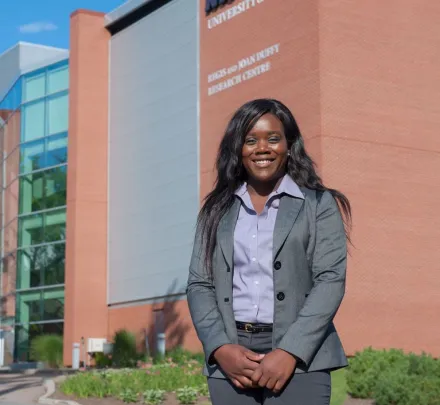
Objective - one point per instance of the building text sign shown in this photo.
(230, 13)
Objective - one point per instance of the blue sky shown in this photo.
(43, 22)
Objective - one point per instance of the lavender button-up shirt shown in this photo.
(253, 239)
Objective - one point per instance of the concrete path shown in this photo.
(20, 389)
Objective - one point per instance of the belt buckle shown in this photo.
(248, 327)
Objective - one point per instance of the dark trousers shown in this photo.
(302, 389)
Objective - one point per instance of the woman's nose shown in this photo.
(262, 146)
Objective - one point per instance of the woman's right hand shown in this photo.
(238, 363)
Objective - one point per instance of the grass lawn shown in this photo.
(339, 387)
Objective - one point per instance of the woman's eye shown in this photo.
(250, 141)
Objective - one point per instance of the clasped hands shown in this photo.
(248, 369)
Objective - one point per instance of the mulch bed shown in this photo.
(170, 400)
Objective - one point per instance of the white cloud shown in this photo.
(36, 27)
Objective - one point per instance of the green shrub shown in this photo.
(85, 385)
(203, 390)
(153, 397)
(124, 349)
(366, 367)
(111, 382)
(423, 365)
(128, 395)
(181, 356)
(102, 360)
(425, 391)
(48, 349)
(394, 388)
(394, 378)
(186, 395)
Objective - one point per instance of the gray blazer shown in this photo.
(309, 256)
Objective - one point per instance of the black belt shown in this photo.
(254, 327)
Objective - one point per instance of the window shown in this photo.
(55, 187)
(40, 228)
(55, 260)
(56, 150)
(34, 87)
(41, 266)
(43, 190)
(31, 192)
(53, 305)
(55, 225)
(33, 121)
(32, 156)
(31, 230)
(40, 305)
(28, 307)
(43, 153)
(58, 114)
(31, 264)
(58, 80)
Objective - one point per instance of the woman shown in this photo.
(267, 273)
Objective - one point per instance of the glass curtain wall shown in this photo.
(40, 187)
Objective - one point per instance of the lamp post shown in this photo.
(83, 351)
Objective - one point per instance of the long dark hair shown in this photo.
(231, 173)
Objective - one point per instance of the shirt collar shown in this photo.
(287, 186)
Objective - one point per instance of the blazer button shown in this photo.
(280, 296)
(277, 265)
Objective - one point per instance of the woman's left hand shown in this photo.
(274, 370)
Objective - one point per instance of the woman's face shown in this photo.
(265, 150)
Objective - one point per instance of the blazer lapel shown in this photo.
(225, 233)
(287, 213)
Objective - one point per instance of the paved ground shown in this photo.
(20, 389)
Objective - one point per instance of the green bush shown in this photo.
(85, 385)
(124, 349)
(366, 367)
(102, 360)
(153, 397)
(423, 365)
(110, 383)
(203, 390)
(393, 388)
(48, 349)
(394, 378)
(181, 356)
(186, 395)
(128, 395)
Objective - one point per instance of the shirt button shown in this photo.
(280, 296)
(257, 282)
(254, 259)
(255, 306)
(254, 236)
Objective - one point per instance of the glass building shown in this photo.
(33, 141)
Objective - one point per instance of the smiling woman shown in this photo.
(267, 273)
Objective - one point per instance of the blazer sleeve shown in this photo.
(306, 334)
(202, 303)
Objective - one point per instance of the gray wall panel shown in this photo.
(153, 158)
(9, 70)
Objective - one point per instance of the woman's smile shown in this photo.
(263, 163)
